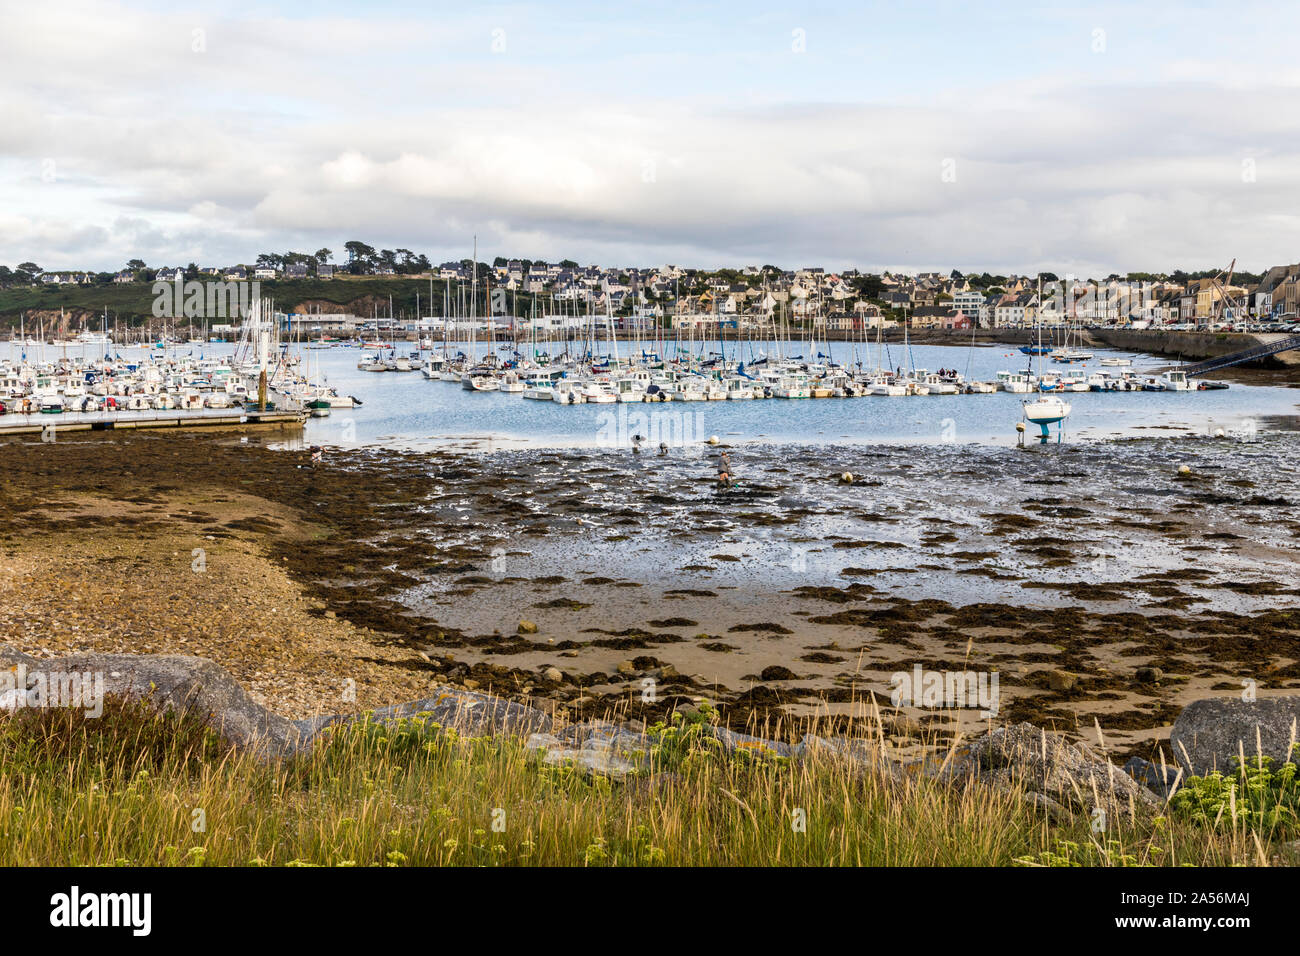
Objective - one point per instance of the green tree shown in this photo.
(361, 257)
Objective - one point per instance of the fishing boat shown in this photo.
(567, 392)
(599, 393)
(539, 391)
(887, 387)
(938, 385)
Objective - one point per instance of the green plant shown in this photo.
(1257, 796)
(1068, 853)
(685, 739)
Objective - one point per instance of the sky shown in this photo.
(1083, 138)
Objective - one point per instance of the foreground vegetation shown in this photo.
(136, 788)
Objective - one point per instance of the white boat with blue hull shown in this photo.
(1045, 411)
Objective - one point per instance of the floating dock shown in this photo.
(37, 423)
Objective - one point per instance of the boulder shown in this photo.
(1062, 681)
(596, 748)
(467, 712)
(1162, 783)
(1209, 733)
(733, 742)
(198, 686)
(192, 685)
(11, 658)
(1069, 775)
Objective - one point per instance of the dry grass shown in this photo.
(137, 788)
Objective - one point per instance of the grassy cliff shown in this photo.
(133, 302)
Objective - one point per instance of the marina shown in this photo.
(433, 407)
(89, 384)
(678, 397)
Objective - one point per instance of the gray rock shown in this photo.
(11, 657)
(195, 685)
(543, 742)
(732, 742)
(862, 754)
(1149, 774)
(599, 753)
(1070, 775)
(467, 712)
(192, 685)
(603, 735)
(1210, 733)
(592, 761)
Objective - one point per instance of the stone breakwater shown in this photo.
(1059, 777)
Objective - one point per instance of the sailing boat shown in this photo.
(478, 378)
(1046, 409)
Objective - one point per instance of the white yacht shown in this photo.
(1015, 382)
(1046, 410)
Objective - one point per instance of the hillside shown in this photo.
(132, 303)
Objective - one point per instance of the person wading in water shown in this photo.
(724, 471)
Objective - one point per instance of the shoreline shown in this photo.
(398, 570)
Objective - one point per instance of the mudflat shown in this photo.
(1103, 587)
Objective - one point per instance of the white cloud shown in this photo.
(302, 132)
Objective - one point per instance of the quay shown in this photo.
(38, 423)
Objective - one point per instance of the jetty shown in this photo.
(47, 424)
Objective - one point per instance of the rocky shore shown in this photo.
(1061, 778)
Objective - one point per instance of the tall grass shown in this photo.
(137, 788)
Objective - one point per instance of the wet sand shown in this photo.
(1103, 587)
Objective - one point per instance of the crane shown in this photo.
(1223, 292)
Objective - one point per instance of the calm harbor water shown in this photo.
(407, 410)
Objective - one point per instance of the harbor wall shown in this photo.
(1190, 346)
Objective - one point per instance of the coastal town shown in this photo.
(556, 296)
